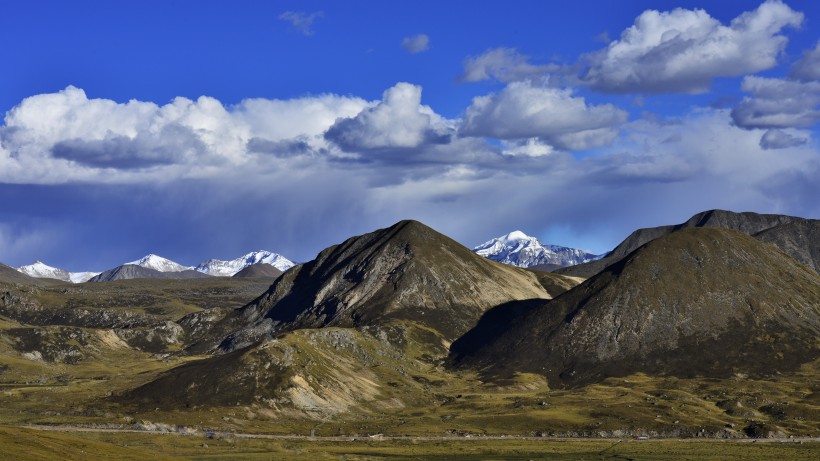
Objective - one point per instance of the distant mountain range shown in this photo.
(153, 266)
(519, 249)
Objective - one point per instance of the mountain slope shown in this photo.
(407, 271)
(519, 249)
(701, 301)
(129, 271)
(777, 228)
(13, 276)
(229, 268)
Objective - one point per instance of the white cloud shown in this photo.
(555, 116)
(416, 43)
(777, 103)
(683, 50)
(399, 120)
(65, 136)
(301, 21)
(502, 64)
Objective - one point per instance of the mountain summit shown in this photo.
(406, 272)
(158, 263)
(519, 249)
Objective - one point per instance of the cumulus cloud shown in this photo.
(502, 64)
(301, 21)
(399, 120)
(777, 103)
(683, 50)
(66, 136)
(555, 116)
(416, 43)
(779, 139)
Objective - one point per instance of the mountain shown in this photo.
(229, 268)
(260, 270)
(407, 271)
(158, 263)
(42, 270)
(130, 271)
(359, 325)
(697, 302)
(13, 276)
(519, 249)
(796, 236)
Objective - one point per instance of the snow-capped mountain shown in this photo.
(42, 270)
(229, 268)
(519, 249)
(158, 263)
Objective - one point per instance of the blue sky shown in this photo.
(208, 129)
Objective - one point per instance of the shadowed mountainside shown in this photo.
(698, 302)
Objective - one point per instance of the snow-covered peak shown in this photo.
(41, 270)
(519, 249)
(159, 263)
(228, 268)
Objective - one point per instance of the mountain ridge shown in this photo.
(770, 226)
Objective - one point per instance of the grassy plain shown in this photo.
(32, 444)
